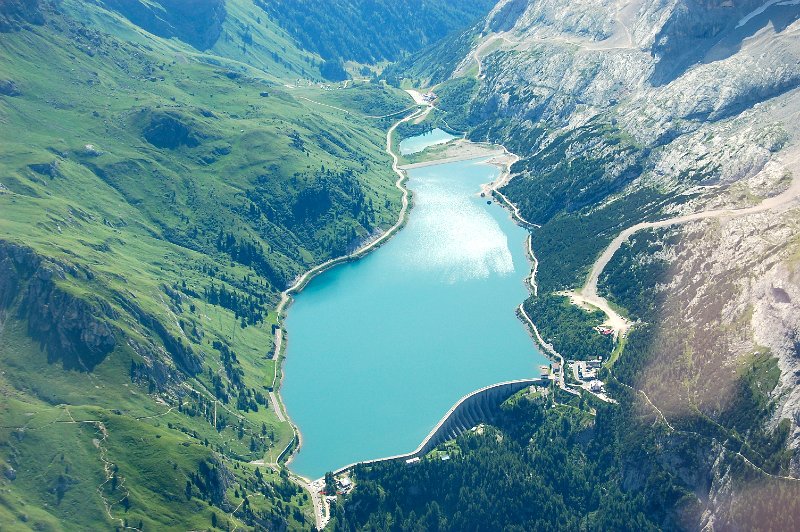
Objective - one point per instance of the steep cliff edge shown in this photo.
(74, 327)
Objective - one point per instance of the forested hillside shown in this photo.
(371, 31)
(169, 167)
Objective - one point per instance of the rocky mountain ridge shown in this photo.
(623, 112)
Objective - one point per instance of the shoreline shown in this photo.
(501, 158)
(286, 300)
(454, 159)
(505, 162)
(507, 159)
(493, 158)
(503, 166)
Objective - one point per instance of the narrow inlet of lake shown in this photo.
(379, 349)
(419, 143)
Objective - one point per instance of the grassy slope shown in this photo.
(142, 220)
(247, 37)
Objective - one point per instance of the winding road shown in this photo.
(587, 295)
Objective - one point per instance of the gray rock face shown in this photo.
(46, 169)
(661, 68)
(585, 19)
(81, 332)
(14, 259)
(168, 131)
(181, 354)
(707, 94)
(9, 282)
(691, 29)
(9, 88)
(72, 330)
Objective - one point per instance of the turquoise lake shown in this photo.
(379, 349)
(420, 142)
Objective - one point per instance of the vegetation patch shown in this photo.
(540, 460)
(572, 330)
(455, 99)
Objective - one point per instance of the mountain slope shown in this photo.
(154, 202)
(370, 31)
(196, 22)
(624, 113)
(229, 32)
(291, 39)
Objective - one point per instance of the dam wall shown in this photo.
(480, 406)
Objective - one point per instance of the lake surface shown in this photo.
(380, 349)
(420, 142)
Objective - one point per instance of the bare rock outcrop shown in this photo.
(80, 331)
(73, 330)
(9, 88)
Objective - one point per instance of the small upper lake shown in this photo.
(379, 349)
(417, 144)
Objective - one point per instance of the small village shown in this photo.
(578, 375)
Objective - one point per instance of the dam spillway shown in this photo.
(480, 406)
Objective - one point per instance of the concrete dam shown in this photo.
(480, 406)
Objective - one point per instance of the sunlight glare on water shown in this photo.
(457, 235)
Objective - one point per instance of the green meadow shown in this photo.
(173, 193)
